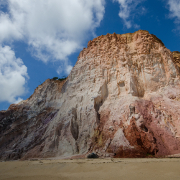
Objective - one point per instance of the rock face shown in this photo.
(121, 99)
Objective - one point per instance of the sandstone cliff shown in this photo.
(121, 99)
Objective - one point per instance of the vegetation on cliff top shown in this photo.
(60, 79)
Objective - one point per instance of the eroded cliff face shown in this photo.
(120, 100)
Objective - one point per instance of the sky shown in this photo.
(42, 39)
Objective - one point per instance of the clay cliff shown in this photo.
(121, 99)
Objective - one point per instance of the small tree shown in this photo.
(55, 78)
(62, 79)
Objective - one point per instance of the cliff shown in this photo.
(121, 99)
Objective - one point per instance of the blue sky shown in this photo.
(42, 39)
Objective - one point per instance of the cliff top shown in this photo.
(103, 43)
(128, 36)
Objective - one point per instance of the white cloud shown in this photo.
(18, 100)
(126, 8)
(174, 7)
(13, 75)
(68, 69)
(54, 29)
(59, 70)
(64, 67)
(8, 29)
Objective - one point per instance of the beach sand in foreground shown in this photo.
(96, 169)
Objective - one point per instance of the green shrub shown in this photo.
(60, 79)
(55, 78)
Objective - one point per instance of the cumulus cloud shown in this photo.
(68, 69)
(65, 67)
(53, 29)
(8, 30)
(126, 8)
(13, 75)
(174, 7)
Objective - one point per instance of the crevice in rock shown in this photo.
(122, 84)
(74, 124)
(59, 129)
(154, 140)
(77, 148)
(64, 87)
(97, 107)
(99, 100)
(144, 128)
(132, 109)
(136, 87)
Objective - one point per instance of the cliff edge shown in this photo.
(121, 99)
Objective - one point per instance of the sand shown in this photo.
(96, 169)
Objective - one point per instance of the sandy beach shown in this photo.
(98, 169)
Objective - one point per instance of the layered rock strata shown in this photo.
(121, 99)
